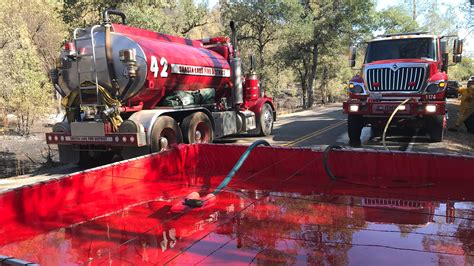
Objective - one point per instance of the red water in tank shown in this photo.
(281, 208)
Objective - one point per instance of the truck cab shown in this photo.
(409, 67)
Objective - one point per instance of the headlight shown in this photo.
(353, 108)
(436, 87)
(430, 108)
(355, 88)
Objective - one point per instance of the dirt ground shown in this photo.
(460, 141)
(20, 155)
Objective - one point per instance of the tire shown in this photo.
(265, 121)
(469, 123)
(164, 133)
(354, 129)
(197, 128)
(435, 127)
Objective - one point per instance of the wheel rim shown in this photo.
(202, 133)
(267, 118)
(163, 142)
(167, 138)
(198, 136)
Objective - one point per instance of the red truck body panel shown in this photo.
(190, 65)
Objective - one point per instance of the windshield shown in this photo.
(423, 48)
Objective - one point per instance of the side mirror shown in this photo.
(352, 56)
(457, 58)
(457, 51)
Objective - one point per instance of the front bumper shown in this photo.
(386, 108)
(115, 139)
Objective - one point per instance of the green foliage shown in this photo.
(176, 17)
(395, 20)
(463, 70)
(322, 30)
(27, 44)
(81, 13)
(259, 32)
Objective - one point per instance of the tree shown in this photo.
(319, 26)
(259, 28)
(28, 46)
(395, 20)
(82, 13)
(176, 17)
(463, 70)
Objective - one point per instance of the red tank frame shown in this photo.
(281, 207)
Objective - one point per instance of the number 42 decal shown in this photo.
(155, 68)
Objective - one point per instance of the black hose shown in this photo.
(106, 19)
(196, 203)
(325, 160)
(337, 178)
(238, 164)
(130, 82)
(59, 90)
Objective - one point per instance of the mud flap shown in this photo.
(132, 152)
(68, 155)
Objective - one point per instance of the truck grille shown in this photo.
(398, 79)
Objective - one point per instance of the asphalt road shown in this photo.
(310, 128)
(323, 126)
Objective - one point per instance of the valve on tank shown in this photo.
(129, 58)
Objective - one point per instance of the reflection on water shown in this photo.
(266, 228)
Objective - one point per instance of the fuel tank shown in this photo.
(164, 63)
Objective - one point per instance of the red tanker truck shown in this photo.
(131, 91)
(399, 67)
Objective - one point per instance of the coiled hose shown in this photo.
(330, 174)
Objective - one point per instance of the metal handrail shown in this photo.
(94, 60)
(74, 35)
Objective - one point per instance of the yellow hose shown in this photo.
(390, 120)
(71, 104)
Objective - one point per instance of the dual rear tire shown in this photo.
(195, 128)
(165, 133)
